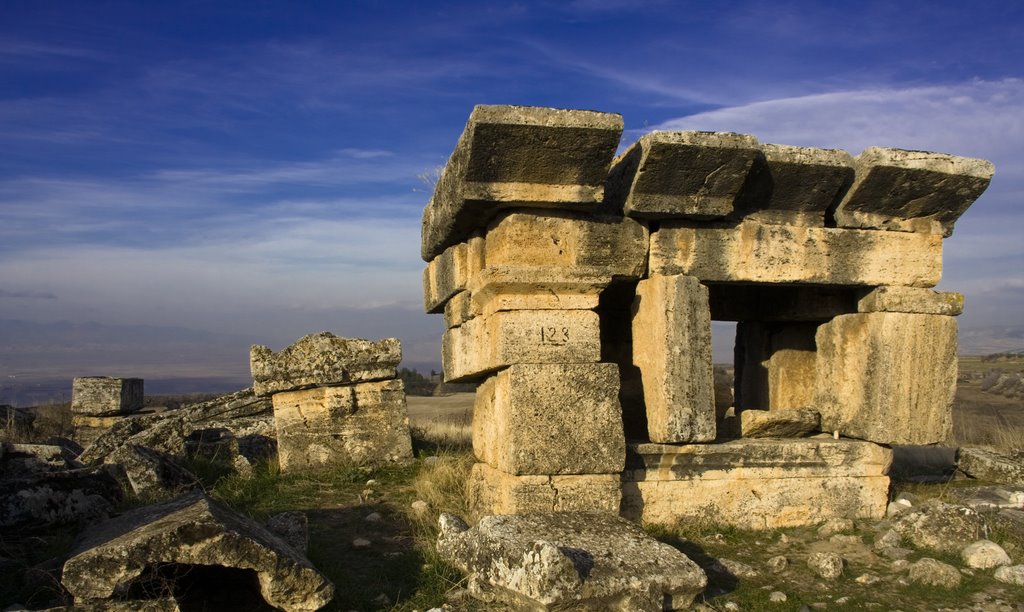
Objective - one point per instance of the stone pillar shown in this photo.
(98, 402)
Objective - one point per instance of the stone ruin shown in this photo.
(98, 402)
(336, 401)
(578, 288)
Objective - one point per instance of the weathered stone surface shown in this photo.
(775, 365)
(990, 465)
(756, 484)
(931, 572)
(519, 156)
(20, 460)
(323, 359)
(191, 530)
(537, 288)
(56, 498)
(459, 309)
(365, 424)
(491, 491)
(556, 561)
(1011, 574)
(485, 344)
(887, 377)
(604, 245)
(451, 271)
(912, 191)
(984, 554)
(103, 395)
(524, 416)
(912, 300)
(694, 175)
(150, 473)
(828, 565)
(795, 185)
(783, 423)
(672, 348)
(87, 429)
(941, 527)
(779, 302)
(762, 253)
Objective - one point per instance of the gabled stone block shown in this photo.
(519, 156)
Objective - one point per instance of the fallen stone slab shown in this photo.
(990, 466)
(63, 497)
(150, 473)
(692, 175)
(556, 561)
(912, 300)
(192, 530)
(323, 359)
(24, 459)
(519, 156)
(989, 498)
(912, 191)
(942, 527)
(793, 423)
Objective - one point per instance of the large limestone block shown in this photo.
(459, 309)
(450, 272)
(693, 175)
(515, 156)
(775, 365)
(762, 253)
(608, 245)
(887, 377)
(912, 191)
(560, 561)
(537, 288)
(913, 300)
(193, 530)
(367, 424)
(323, 359)
(524, 416)
(672, 348)
(785, 423)
(488, 343)
(491, 491)
(756, 483)
(106, 396)
(795, 185)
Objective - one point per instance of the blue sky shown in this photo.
(254, 167)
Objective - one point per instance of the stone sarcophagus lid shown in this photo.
(578, 288)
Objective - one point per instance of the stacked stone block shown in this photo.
(98, 402)
(336, 401)
(580, 291)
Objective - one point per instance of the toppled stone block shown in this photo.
(192, 530)
(991, 466)
(450, 272)
(693, 175)
(609, 246)
(323, 359)
(105, 396)
(914, 300)
(56, 498)
(912, 191)
(756, 483)
(524, 416)
(911, 403)
(795, 185)
(672, 348)
(484, 344)
(365, 424)
(557, 561)
(792, 423)
(941, 527)
(763, 253)
(150, 473)
(491, 491)
(516, 156)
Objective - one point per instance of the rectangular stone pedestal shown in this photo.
(365, 424)
(491, 491)
(756, 484)
(106, 396)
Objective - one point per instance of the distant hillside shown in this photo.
(991, 339)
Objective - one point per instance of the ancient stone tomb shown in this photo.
(579, 289)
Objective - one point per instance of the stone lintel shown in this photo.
(912, 191)
(519, 156)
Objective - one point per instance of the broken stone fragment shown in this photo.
(912, 191)
(786, 423)
(932, 572)
(56, 498)
(106, 396)
(519, 156)
(194, 531)
(915, 300)
(990, 466)
(555, 561)
(795, 185)
(150, 473)
(524, 415)
(692, 175)
(941, 527)
(323, 359)
(757, 252)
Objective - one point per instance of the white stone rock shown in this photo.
(984, 554)
(828, 565)
(1011, 574)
